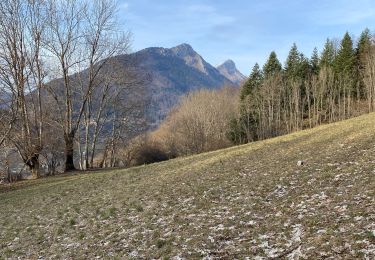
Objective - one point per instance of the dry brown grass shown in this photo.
(247, 201)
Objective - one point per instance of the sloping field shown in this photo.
(248, 201)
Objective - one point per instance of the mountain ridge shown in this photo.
(174, 72)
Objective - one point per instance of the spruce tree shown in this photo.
(345, 61)
(364, 42)
(362, 50)
(297, 65)
(292, 69)
(314, 62)
(328, 54)
(245, 127)
(345, 70)
(303, 67)
(253, 83)
(272, 66)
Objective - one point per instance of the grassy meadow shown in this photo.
(247, 201)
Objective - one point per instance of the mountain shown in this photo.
(228, 69)
(251, 201)
(174, 72)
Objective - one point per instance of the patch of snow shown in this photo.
(134, 254)
(297, 233)
(296, 254)
(321, 231)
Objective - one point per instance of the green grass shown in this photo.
(251, 200)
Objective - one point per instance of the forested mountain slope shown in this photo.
(250, 200)
(174, 72)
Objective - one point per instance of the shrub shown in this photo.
(150, 153)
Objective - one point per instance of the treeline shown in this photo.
(334, 85)
(64, 98)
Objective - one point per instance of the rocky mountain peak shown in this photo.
(183, 50)
(190, 56)
(230, 71)
(229, 65)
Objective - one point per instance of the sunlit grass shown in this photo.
(242, 201)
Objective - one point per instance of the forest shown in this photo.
(334, 84)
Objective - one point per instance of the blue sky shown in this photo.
(244, 31)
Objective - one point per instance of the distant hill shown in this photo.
(175, 72)
(251, 201)
(228, 69)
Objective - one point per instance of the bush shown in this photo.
(150, 153)
(200, 123)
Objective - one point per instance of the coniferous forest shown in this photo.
(334, 84)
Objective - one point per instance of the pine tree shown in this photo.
(303, 67)
(245, 127)
(363, 47)
(292, 69)
(345, 61)
(345, 70)
(328, 54)
(364, 42)
(362, 50)
(253, 83)
(272, 66)
(314, 62)
(297, 65)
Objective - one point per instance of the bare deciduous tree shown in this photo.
(21, 73)
(83, 37)
(200, 122)
(369, 78)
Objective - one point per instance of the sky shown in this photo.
(245, 31)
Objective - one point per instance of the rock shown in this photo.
(300, 163)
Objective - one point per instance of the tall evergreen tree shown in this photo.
(272, 66)
(363, 47)
(253, 83)
(345, 70)
(297, 65)
(328, 54)
(345, 61)
(292, 65)
(314, 62)
(364, 42)
(244, 128)
(362, 50)
(303, 67)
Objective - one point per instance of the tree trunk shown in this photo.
(81, 167)
(87, 140)
(33, 164)
(69, 152)
(104, 159)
